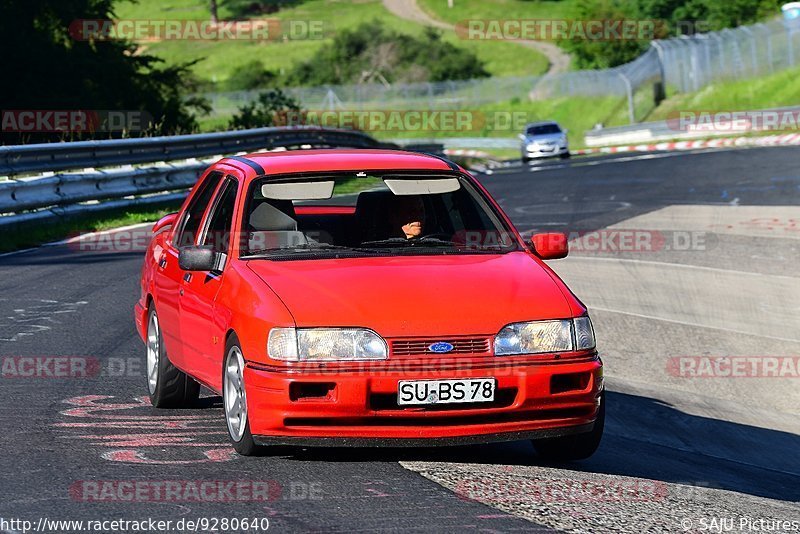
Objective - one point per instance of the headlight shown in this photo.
(532, 146)
(545, 336)
(326, 344)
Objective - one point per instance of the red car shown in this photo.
(366, 297)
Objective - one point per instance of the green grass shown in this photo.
(34, 234)
(217, 59)
(773, 91)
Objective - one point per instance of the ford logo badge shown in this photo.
(441, 347)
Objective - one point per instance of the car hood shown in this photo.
(554, 138)
(418, 295)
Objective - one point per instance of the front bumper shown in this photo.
(541, 152)
(358, 408)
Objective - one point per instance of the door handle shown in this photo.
(187, 277)
(162, 262)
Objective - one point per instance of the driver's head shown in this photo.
(408, 215)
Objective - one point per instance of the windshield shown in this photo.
(368, 215)
(544, 129)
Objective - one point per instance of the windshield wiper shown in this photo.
(403, 242)
(301, 248)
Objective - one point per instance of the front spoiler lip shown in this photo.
(450, 441)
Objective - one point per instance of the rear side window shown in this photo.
(194, 214)
(218, 233)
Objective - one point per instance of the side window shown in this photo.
(218, 231)
(194, 214)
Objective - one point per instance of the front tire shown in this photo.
(575, 447)
(234, 400)
(566, 155)
(168, 386)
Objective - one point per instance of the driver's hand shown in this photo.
(412, 229)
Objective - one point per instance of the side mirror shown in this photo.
(163, 222)
(566, 131)
(522, 137)
(197, 258)
(550, 246)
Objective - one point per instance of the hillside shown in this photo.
(216, 60)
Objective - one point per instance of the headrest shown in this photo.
(273, 215)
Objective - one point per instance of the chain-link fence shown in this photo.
(683, 64)
(691, 63)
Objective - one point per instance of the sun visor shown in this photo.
(425, 186)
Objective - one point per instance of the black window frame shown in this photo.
(220, 192)
(177, 238)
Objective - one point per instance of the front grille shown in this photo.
(417, 347)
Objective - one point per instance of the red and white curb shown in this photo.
(770, 140)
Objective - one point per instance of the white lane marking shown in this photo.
(34, 319)
(15, 252)
(684, 266)
(641, 157)
(689, 323)
(78, 238)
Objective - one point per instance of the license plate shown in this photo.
(410, 392)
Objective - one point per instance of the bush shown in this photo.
(251, 75)
(371, 52)
(267, 110)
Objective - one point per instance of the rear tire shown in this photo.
(575, 447)
(234, 400)
(168, 386)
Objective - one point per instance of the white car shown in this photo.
(544, 140)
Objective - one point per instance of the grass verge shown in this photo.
(31, 235)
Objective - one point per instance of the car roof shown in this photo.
(339, 160)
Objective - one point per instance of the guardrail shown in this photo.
(55, 157)
(469, 142)
(102, 184)
(647, 132)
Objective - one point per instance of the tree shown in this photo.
(50, 64)
(212, 5)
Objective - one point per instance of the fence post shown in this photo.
(629, 90)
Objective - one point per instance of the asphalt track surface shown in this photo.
(678, 454)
